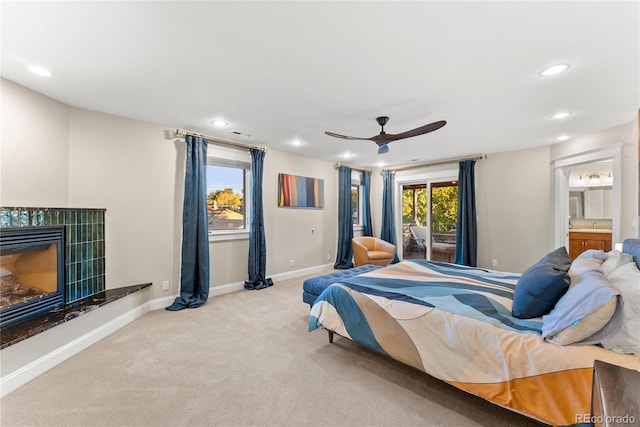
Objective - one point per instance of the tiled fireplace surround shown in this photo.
(84, 273)
(84, 243)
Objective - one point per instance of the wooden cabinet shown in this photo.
(581, 241)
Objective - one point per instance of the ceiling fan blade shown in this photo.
(337, 135)
(385, 138)
(418, 131)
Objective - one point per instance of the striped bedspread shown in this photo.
(454, 323)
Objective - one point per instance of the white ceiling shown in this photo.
(284, 70)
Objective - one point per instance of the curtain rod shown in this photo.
(438, 162)
(216, 140)
(337, 165)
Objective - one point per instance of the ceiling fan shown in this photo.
(382, 139)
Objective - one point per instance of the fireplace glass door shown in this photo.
(31, 272)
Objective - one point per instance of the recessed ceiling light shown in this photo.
(561, 115)
(41, 71)
(296, 142)
(554, 69)
(219, 123)
(562, 138)
(346, 155)
(380, 164)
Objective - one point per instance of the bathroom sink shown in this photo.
(589, 230)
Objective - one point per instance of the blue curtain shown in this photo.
(367, 226)
(466, 228)
(257, 241)
(388, 232)
(344, 254)
(194, 275)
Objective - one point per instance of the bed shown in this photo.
(457, 324)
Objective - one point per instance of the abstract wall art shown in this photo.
(300, 192)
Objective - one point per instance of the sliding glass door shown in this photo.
(429, 215)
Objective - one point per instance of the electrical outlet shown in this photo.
(292, 262)
(165, 285)
(328, 256)
(494, 262)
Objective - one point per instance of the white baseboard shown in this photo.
(163, 302)
(238, 286)
(68, 339)
(302, 272)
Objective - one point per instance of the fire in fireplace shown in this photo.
(31, 271)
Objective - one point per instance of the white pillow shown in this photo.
(614, 260)
(627, 338)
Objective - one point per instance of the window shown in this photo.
(228, 180)
(355, 204)
(356, 200)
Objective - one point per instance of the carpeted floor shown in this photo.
(243, 359)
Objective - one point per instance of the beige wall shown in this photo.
(515, 208)
(34, 159)
(128, 168)
(81, 158)
(287, 230)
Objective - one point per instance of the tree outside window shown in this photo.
(226, 198)
(355, 204)
(444, 208)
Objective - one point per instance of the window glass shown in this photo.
(355, 203)
(226, 195)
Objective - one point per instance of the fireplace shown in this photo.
(31, 271)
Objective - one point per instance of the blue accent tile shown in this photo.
(5, 218)
(24, 218)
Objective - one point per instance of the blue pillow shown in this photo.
(542, 285)
(632, 247)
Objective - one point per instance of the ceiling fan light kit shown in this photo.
(383, 138)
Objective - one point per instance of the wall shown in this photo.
(513, 201)
(515, 208)
(34, 159)
(627, 135)
(82, 158)
(287, 230)
(128, 168)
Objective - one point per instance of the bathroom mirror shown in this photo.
(590, 191)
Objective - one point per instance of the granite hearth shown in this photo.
(24, 329)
